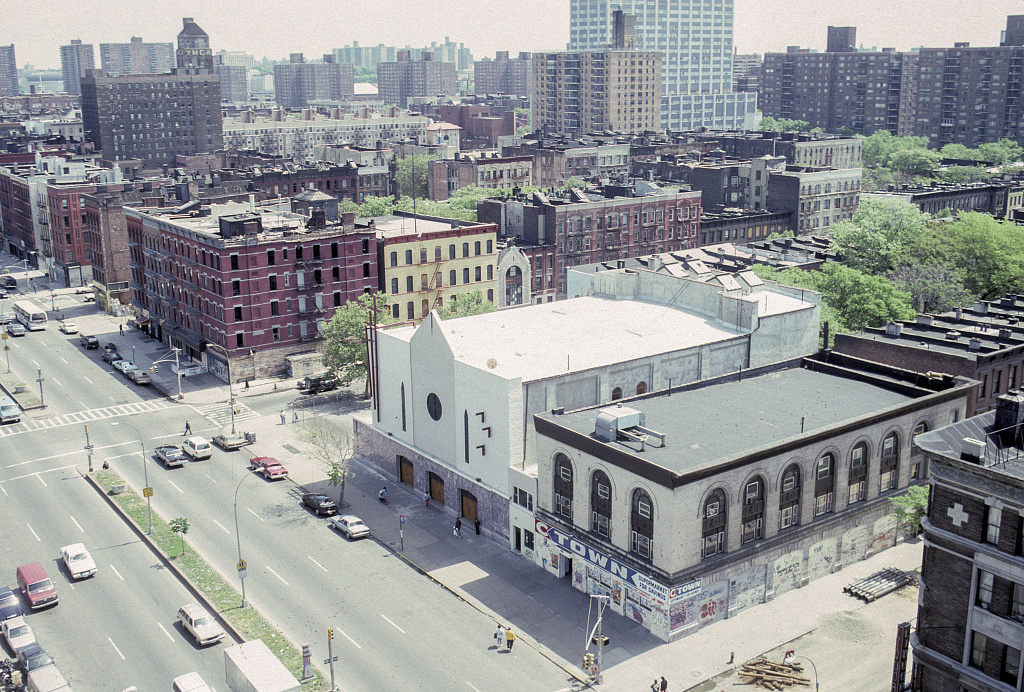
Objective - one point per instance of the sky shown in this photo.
(274, 29)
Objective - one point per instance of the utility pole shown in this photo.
(597, 637)
(88, 447)
(40, 379)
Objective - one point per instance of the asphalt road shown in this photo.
(394, 628)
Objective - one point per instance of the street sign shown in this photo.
(147, 492)
(401, 518)
(241, 574)
(241, 565)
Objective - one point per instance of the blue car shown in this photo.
(16, 329)
(10, 606)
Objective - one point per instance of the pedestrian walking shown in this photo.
(664, 684)
(383, 495)
(247, 385)
(510, 639)
(295, 416)
(283, 419)
(120, 328)
(188, 429)
(655, 686)
(499, 636)
(457, 529)
(426, 499)
(732, 657)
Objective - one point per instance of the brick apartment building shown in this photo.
(406, 78)
(426, 262)
(503, 75)
(297, 82)
(556, 160)
(446, 176)
(243, 291)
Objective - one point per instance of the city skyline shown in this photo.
(271, 30)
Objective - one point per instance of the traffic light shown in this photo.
(588, 660)
(330, 633)
(155, 369)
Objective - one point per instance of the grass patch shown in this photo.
(221, 593)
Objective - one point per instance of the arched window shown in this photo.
(824, 484)
(713, 524)
(890, 464)
(616, 393)
(858, 473)
(600, 504)
(753, 510)
(423, 255)
(437, 253)
(408, 256)
(641, 525)
(916, 457)
(563, 486)
(641, 388)
(789, 498)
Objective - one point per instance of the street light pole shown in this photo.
(813, 667)
(238, 536)
(148, 492)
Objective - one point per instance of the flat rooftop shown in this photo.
(548, 339)
(397, 226)
(713, 424)
(1001, 455)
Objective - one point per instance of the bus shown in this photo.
(30, 315)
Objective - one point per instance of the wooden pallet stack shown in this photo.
(771, 675)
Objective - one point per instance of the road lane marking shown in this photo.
(392, 624)
(33, 532)
(221, 527)
(317, 564)
(164, 437)
(36, 364)
(30, 475)
(42, 481)
(89, 381)
(348, 638)
(208, 476)
(77, 524)
(117, 573)
(62, 360)
(472, 686)
(82, 403)
(160, 625)
(254, 514)
(278, 576)
(116, 649)
(56, 380)
(4, 490)
(176, 487)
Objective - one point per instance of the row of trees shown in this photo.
(891, 160)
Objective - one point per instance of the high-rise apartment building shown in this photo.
(234, 83)
(298, 82)
(136, 58)
(503, 75)
(405, 78)
(746, 72)
(841, 39)
(8, 71)
(155, 117)
(696, 43)
(75, 60)
(575, 93)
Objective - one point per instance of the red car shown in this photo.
(271, 468)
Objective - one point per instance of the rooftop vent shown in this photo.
(893, 329)
(980, 308)
(952, 335)
(925, 320)
(1005, 334)
(974, 344)
(624, 423)
(972, 450)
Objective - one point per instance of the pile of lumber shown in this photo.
(772, 676)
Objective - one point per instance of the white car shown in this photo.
(352, 527)
(125, 366)
(69, 327)
(200, 624)
(197, 447)
(17, 633)
(78, 561)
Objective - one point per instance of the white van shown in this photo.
(10, 412)
(197, 448)
(190, 682)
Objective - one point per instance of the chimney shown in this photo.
(972, 450)
(893, 329)
(1009, 416)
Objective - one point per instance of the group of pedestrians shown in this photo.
(506, 634)
(657, 686)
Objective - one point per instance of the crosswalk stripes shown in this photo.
(78, 417)
(220, 413)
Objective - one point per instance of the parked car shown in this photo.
(170, 455)
(68, 327)
(10, 606)
(17, 634)
(16, 329)
(78, 561)
(320, 503)
(111, 356)
(88, 341)
(353, 527)
(271, 468)
(125, 367)
(33, 657)
(6, 317)
(232, 441)
(190, 682)
(110, 346)
(8, 282)
(3, 293)
(37, 586)
(317, 383)
(197, 448)
(139, 376)
(200, 624)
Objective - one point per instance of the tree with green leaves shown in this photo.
(876, 240)
(877, 149)
(1002, 152)
(332, 448)
(179, 526)
(411, 175)
(345, 353)
(377, 206)
(770, 124)
(932, 288)
(910, 508)
(472, 303)
(910, 162)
